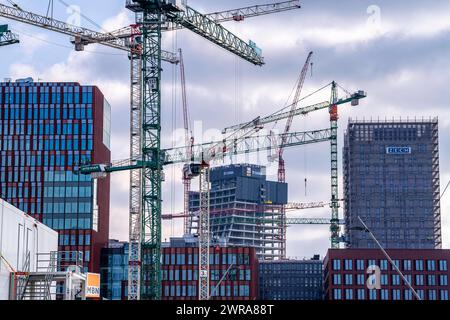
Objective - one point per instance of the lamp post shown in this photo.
(366, 229)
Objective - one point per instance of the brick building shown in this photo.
(345, 274)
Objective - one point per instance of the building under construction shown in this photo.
(391, 180)
(245, 209)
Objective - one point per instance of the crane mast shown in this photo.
(281, 164)
(333, 110)
(189, 140)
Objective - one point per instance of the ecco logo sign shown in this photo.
(398, 150)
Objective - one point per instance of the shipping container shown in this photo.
(21, 235)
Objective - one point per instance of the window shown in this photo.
(443, 265)
(348, 279)
(348, 265)
(360, 279)
(431, 265)
(384, 294)
(384, 279)
(408, 294)
(419, 265)
(421, 293)
(419, 280)
(395, 280)
(359, 265)
(444, 295)
(432, 295)
(383, 264)
(336, 264)
(431, 280)
(373, 294)
(349, 294)
(407, 265)
(443, 281)
(337, 294)
(361, 294)
(396, 294)
(337, 279)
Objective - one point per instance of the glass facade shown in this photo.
(391, 181)
(291, 280)
(46, 130)
(114, 271)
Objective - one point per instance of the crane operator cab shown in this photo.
(192, 170)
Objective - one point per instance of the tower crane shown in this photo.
(7, 37)
(189, 141)
(332, 106)
(199, 161)
(143, 41)
(281, 164)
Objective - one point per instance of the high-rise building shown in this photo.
(366, 274)
(391, 181)
(46, 130)
(246, 209)
(291, 279)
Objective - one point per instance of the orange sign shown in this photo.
(92, 285)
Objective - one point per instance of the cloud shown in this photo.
(402, 63)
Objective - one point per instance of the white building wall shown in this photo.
(20, 234)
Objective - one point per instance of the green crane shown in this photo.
(7, 37)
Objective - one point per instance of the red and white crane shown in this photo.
(281, 164)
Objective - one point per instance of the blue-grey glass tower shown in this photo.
(114, 271)
(391, 180)
(46, 129)
(245, 209)
(291, 279)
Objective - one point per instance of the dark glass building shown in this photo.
(391, 180)
(114, 271)
(291, 279)
(245, 209)
(347, 275)
(46, 129)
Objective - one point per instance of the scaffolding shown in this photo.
(391, 180)
(58, 276)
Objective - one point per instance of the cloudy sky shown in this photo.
(395, 50)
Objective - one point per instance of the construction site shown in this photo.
(234, 217)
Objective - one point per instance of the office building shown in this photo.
(233, 271)
(46, 130)
(246, 209)
(391, 181)
(114, 271)
(291, 279)
(347, 273)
